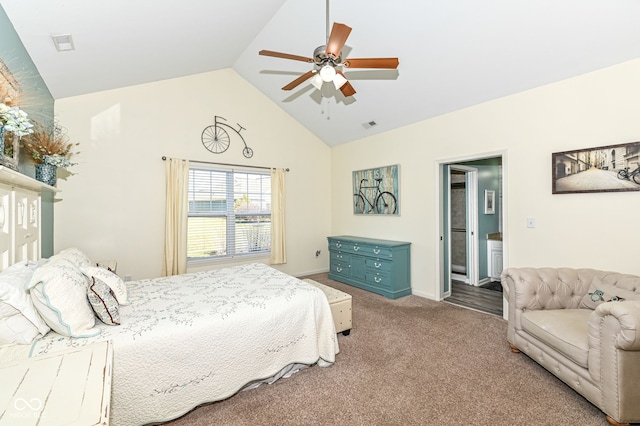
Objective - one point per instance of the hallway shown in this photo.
(478, 298)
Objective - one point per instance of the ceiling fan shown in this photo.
(328, 58)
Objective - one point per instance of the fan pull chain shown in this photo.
(325, 107)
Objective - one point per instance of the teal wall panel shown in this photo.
(22, 85)
(35, 98)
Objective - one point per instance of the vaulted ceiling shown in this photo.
(453, 53)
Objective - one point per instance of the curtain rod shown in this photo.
(164, 158)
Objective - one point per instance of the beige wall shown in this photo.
(113, 205)
(576, 230)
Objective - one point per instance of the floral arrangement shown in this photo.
(14, 120)
(49, 146)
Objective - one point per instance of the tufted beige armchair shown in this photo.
(583, 326)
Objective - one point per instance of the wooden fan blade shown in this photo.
(337, 39)
(347, 89)
(390, 63)
(295, 83)
(285, 56)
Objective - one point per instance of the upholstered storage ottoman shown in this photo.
(340, 303)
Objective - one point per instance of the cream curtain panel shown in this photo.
(278, 249)
(175, 243)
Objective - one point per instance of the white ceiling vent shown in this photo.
(63, 42)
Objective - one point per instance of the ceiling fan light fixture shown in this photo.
(327, 73)
(317, 81)
(339, 81)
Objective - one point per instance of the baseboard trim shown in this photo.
(319, 271)
(484, 281)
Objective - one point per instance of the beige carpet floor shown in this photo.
(410, 361)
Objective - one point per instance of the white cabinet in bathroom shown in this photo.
(494, 259)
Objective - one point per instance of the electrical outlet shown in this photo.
(531, 222)
(127, 277)
(317, 253)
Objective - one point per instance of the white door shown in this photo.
(463, 227)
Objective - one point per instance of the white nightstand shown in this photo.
(71, 387)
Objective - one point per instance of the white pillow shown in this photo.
(17, 329)
(21, 321)
(59, 293)
(73, 255)
(114, 282)
(7, 310)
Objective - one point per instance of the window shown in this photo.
(229, 213)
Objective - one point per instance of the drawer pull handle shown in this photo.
(377, 265)
(377, 280)
(339, 269)
(338, 245)
(376, 251)
(356, 248)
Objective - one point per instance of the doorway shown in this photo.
(467, 230)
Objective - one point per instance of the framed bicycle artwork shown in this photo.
(375, 191)
(611, 168)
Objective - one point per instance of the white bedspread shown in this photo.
(195, 338)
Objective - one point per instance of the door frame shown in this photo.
(439, 213)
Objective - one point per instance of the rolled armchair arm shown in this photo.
(614, 357)
(619, 322)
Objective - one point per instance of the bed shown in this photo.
(188, 339)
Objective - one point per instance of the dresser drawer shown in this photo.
(340, 268)
(345, 246)
(379, 264)
(340, 245)
(376, 251)
(338, 256)
(378, 279)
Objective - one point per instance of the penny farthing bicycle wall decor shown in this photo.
(216, 138)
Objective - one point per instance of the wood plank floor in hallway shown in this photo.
(478, 298)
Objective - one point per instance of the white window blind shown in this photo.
(229, 213)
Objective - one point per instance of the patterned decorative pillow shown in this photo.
(109, 265)
(602, 292)
(59, 292)
(103, 302)
(112, 280)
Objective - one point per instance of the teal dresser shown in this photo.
(380, 266)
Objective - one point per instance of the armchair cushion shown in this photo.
(565, 330)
